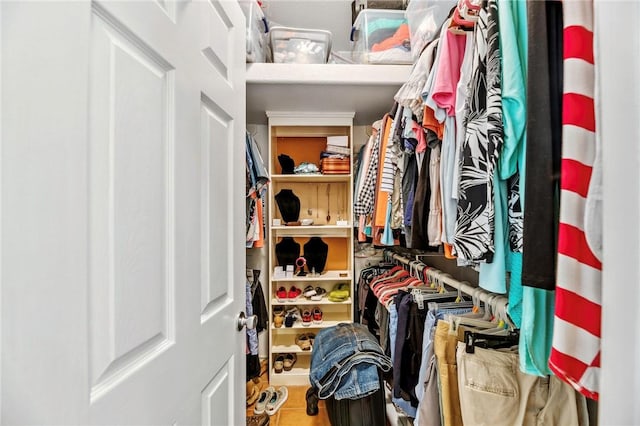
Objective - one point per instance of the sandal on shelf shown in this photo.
(278, 364)
(309, 291)
(320, 293)
(289, 361)
(303, 341)
(340, 293)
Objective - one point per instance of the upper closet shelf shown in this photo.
(366, 89)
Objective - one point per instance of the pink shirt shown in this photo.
(448, 73)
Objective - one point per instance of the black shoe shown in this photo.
(312, 402)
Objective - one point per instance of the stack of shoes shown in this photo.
(340, 293)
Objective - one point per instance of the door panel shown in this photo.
(125, 213)
(131, 157)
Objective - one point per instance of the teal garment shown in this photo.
(383, 23)
(387, 234)
(536, 332)
(515, 288)
(512, 20)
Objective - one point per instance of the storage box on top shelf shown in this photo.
(381, 36)
(257, 27)
(300, 45)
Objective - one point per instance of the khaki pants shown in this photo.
(493, 391)
(444, 347)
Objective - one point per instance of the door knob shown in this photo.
(249, 322)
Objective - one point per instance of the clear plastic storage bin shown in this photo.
(257, 42)
(381, 36)
(299, 45)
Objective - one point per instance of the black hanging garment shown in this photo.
(544, 144)
(287, 251)
(289, 205)
(315, 252)
(259, 302)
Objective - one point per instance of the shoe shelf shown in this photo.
(297, 376)
(313, 178)
(298, 325)
(304, 301)
(343, 275)
(327, 200)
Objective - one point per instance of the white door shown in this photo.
(122, 212)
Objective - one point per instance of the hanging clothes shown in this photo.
(481, 145)
(575, 355)
(544, 145)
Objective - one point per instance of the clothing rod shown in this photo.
(496, 301)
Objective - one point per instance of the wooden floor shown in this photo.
(294, 410)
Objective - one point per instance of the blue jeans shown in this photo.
(401, 404)
(345, 362)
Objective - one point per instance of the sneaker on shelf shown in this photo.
(309, 291)
(294, 293)
(317, 315)
(277, 399)
(289, 320)
(306, 318)
(265, 397)
(281, 294)
(320, 293)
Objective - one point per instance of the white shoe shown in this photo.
(277, 399)
(263, 400)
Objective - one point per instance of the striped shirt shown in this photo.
(575, 354)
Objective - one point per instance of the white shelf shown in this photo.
(305, 301)
(298, 325)
(325, 276)
(288, 349)
(298, 376)
(312, 231)
(366, 89)
(315, 178)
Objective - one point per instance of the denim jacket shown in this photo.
(345, 362)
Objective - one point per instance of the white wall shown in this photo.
(618, 67)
